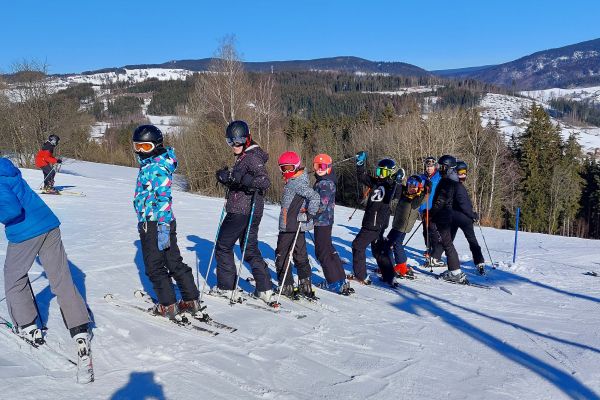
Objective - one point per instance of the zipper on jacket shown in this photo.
(375, 220)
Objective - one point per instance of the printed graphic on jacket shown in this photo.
(326, 187)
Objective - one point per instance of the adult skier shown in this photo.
(377, 211)
(299, 204)
(33, 231)
(430, 233)
(411, 198)
(246, 182)
(463, 217)
(441, 214)
(46, 161)
(327, 255)
(157, 225)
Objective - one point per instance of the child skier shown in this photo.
(299, 205)
(32, 230)
(328, 257)
(247, 181)
(411, 198)
(46, 161)
(432, 177)
(463, 217)
(377, 211)
(157, 226)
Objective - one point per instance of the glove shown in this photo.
(475, 217)
(361, 157)
(59, 161)
(304, 217)
(224, 176)
(164, 236)
(400, 175)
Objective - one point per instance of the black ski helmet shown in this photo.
(429, 161)
(460, 165)
(447, 161)
(53, 140)
(237, 132)
(148, 133)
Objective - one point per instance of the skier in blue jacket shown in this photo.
(431, 177)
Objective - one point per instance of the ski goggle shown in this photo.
(462, 171)
(287, 168)
(383, 172)
(144, 147)
(430, 162)
(321, 166)
(236, 142)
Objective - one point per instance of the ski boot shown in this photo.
(456, 276)
(191, 309)
(481, 269)
(306, 289)
(169, 312)
(404, 271)
(32, 334)
(266, 296)
(340, 287)
(290, 292)
(50, 190)
(233, 296)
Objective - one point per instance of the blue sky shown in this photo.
(73, 36)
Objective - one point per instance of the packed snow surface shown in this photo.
(534, 335)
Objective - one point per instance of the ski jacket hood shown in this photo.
(22, 211)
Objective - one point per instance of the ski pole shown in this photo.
(37, 309)
(212, 254)
(289, 261)
(413, 234)
(248, 227)
(486, 246)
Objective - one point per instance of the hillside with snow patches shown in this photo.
(534, 335)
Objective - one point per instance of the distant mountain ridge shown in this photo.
(342, 64)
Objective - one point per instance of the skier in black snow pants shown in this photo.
(246, 181)
(299, 205)
(377, 211)
(463, 217)
(441, 214)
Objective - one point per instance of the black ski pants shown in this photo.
(233, 229)
(49, 173)
(359, 251)
(445, 231)
(299, 256)
(435, 248)
(161, 266)
(460, 220)
(327, 255)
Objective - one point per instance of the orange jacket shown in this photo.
(43, 158)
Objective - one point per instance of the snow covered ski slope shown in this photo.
(539, 338)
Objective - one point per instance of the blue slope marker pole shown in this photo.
(516, 234)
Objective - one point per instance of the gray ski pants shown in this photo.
(20, 258)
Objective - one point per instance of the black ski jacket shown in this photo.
(381, 194)
(443, 200)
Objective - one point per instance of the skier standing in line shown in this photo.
(377, 211)
(299, 205)
(32, 230)
(463, 217)
(441, 214)
(46, 161)
(328, 257)
(157, 225)
(411, 198)
(430, 231)
(247, 181)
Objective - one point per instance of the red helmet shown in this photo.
(289, 163)
(322, 162)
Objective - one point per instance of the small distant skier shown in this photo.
(157, 226)
(299, 205)
(377, 211)
(33, 231)
(464, 216)
(328, 257)
(411, 198)
(247, 181)
(430, 233)
(46, 161)
(441, 214)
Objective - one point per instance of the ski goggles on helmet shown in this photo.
(430, 162)
(236, 142)
(143, 147)
(462, 171)
(287, 167)
(321, 166)
(384, 172)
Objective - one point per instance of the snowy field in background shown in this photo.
(427, 340)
